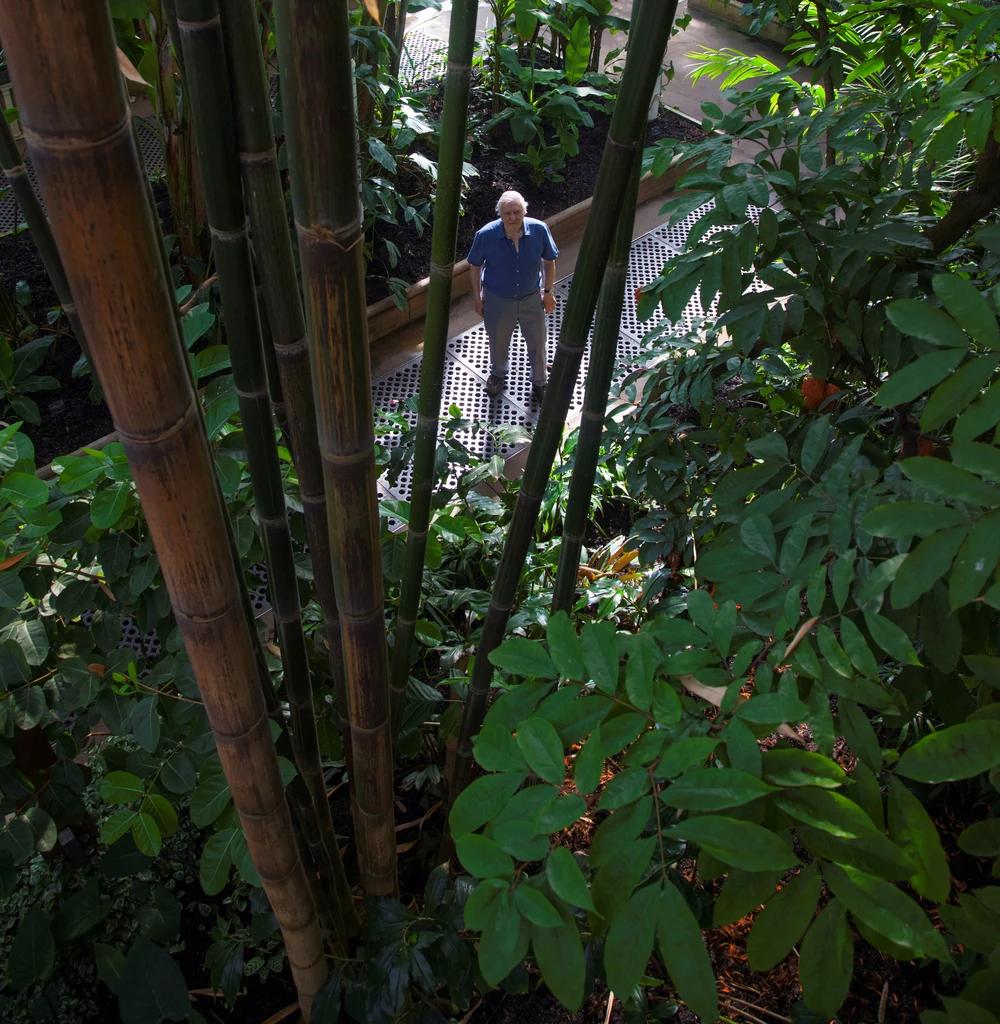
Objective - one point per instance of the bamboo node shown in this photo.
(68, 142)
(221, 235)
(259, 393)
(321, 234)
(175, 428)
(574, 351)
(194, 26)
(264, 156)
(292, 348)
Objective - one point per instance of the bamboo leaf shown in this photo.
(783, 920)
(566, 878)
(826, 960)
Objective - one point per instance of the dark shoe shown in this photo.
(494, 385)
(538, 391)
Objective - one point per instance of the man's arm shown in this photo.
(548, 280)
(476, 286)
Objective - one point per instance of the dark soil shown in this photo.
(497, 174)
(69, 417)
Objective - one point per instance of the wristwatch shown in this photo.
(546, 291)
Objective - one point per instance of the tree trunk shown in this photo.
(72, 104)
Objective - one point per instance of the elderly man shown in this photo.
(512, 269)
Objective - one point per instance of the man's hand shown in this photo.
(549, 303)
(478, 302)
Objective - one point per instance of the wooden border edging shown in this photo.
(773, 31)
(385, 316)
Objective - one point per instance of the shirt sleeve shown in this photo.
(549, 250)
(477, 254)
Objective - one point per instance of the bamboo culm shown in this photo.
(603, 351)
(314, 49)
(647, 43)
(211, 112)
(449, 190)
(39, 227)
(265, 200)
(80, 140)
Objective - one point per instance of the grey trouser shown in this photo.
(501, 316)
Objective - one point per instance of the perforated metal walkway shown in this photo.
(467, 362)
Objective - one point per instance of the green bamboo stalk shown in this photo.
(647, 44)
(39, 227)
(265, 201)
(323, 151)
(603, 350)
(65, 72)
(461, 38)
(211, 112)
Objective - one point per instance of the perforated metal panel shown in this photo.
(422, 57)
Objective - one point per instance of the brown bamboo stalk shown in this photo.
(315, 62)
(77, 123)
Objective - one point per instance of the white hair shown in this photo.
(512, 197)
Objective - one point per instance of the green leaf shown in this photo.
(160, 918)
(857, 649)
(968, 306)
(714, 789)
(145, 722)
(482, 857)
(564, 647)
(566, 879)
(771, 708)
(110, 966)
(524, 658)
(911, 519)
(162, 811)
(859, 733)
(826, 961)
(949, 481)
(121, 788)
(559, 953)
(11, 590)
(211, 360)
(179, 774)
(589, 763)
(27, 705)
(757, 534)
(504, 942)
(891, 639)
(210, 799)
(981, 839)
(33, 951)
(783, 920)
(24, 490)
(816, 443)
(740, 843)
(109, 504)
(975, 562)
(535, 907)
(542, 749)
(578, 46)
(625, 788)
(824, 809)
(153, 987)
(742, 892)
(916, 377)
(958, 752)
(640, 669)
(600, 653)
(146, 834)
(216, 860)
(43, 828)
(81, 912)
(479, 909)
(927, 322)
(886, 910)
(496, 750)
(117, 825)
(958, 392)
(684, 954)
(630, 942)
(686, 753)
(832, 652)
(911, 827)
(925, 565)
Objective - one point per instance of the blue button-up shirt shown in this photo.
(512, 273)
